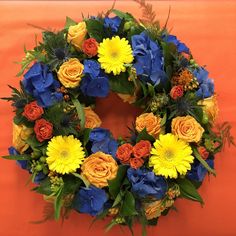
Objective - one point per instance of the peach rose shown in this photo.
(127, 97)
(92, 120)
(210, 107)
(77, 34)
(149, 121)
(153, 209)
(70, 73)
(20, 134)
(187, 128)
(98, 168)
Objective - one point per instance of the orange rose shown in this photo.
(142, 149)
(136, 162)
(210, 107)
(77, 34)
(149, 121)
(98, 168)
(187, 128)
(92, 120)
(124, 153)
(203, 152)
(70, 73)
(20, 134)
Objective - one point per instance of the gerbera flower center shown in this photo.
(64, 153)
(169, 154)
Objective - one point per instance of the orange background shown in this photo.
(208, 28)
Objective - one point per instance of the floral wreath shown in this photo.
(78, 165)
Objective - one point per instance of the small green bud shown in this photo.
(38, 167)
(42, 159)
(127, 25)
(205, 119)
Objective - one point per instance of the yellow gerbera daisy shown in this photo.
(65, 154)
(114, 53)
(170, 156)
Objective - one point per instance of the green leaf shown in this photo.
(58, 203)
(143, 135)
(17, 157)
(203, 162)
(188, 190)
(71, 184)
(128, 206)
(44, 187)
(80, 112)
(69, 22)
(120, 84)
(86, 136)
(151, 90)
(163, 120)
(85, 181)
(115, 184)
(127, 16)
(95, 29)
(118, 199)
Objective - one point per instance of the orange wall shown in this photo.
(208, 28)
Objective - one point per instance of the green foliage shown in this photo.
(69, 22)
(126, 16)
(128, 205)
(56, 47)
(31, 56)
(23, 157)
(58, 203)
(188, 190)
(44, 187)
(115, 184)
(143, 135)
(95, 29)
(202, 161)
(64, 122)
(80, 112)
(120, 84)
(19, 98)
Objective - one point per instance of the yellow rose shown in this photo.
(187, 128)
(92, 120)
(98, 168)
(20, 134)
(210, 107)
(149, 121)
(70, 73)
(76, 34)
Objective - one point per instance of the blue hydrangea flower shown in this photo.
(39, 83)
(112, 23)
(102, 141)
(92, 68)
(206, 85)
(181, 47)
(95, 87)
(149, 59)
(39, 177)
(90, 200)
(108, 146)
(99, 134)
(198, 171)
(146, 183)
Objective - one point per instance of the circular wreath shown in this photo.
(77, 164)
